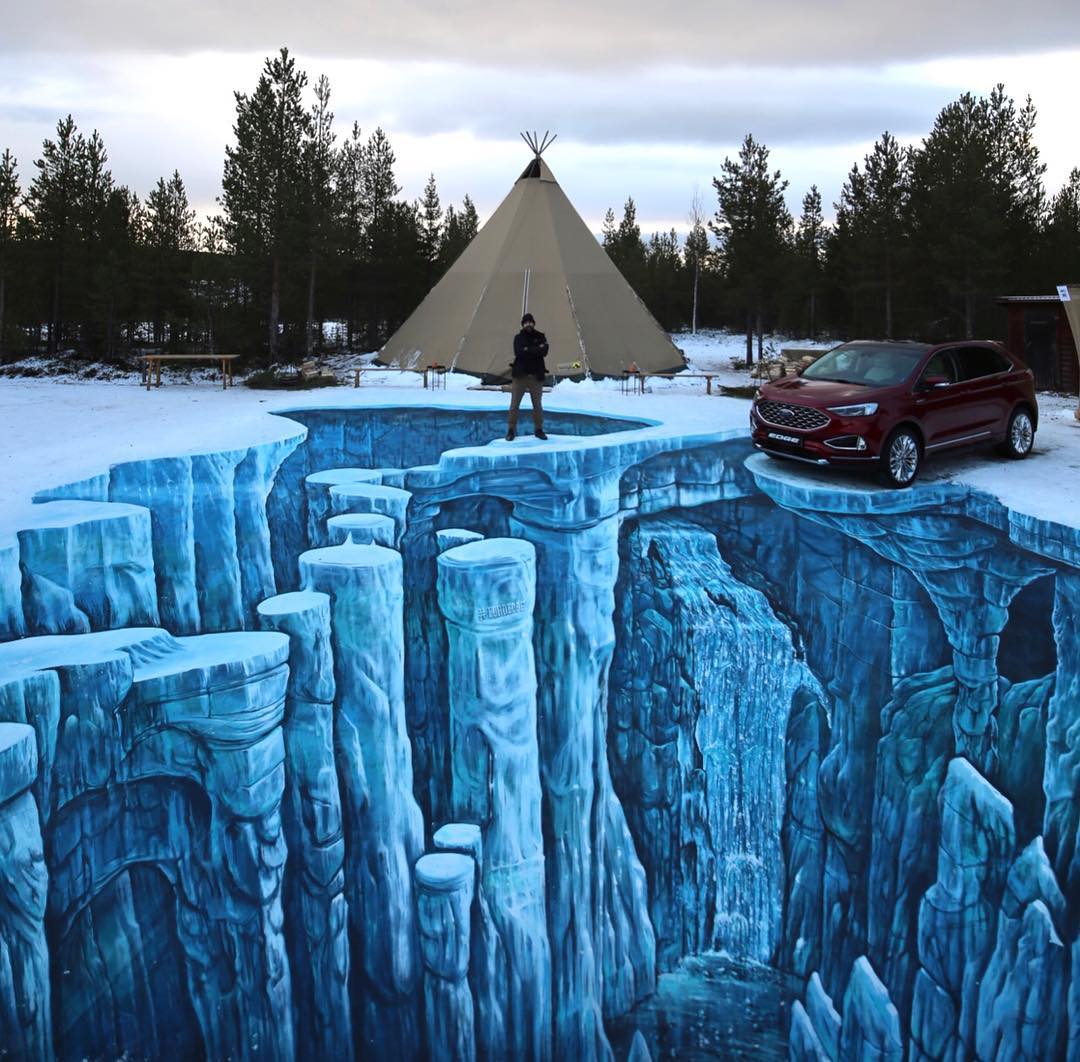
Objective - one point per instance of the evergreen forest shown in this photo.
(313, 246)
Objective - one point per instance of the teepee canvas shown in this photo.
(536, 254)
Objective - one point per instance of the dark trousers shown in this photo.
(535, 388)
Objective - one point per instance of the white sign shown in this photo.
(1063, 293)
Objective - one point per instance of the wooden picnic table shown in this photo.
(634, 382)
(437, 373)
(153, 365)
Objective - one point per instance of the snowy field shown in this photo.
(62, 428)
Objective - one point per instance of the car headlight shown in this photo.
(757, 394)
(865, 409)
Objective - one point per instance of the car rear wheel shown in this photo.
(1020, 437)
(901, 458)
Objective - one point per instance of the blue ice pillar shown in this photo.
(316, 915)
(486, 592)
(912, 757)
(957, 914)
(1061, 778)
(444, 895)
(88, 566)
(871, 1026)
(165, 487)
(255, 477)
(34, 699)
(213, 521)
(25, 1008)
(222, 696)
(806, 742)
(593, 872)
(372, 498)
(487, 962)
(319, 503)
(1021, 1008)
(383, 826)
(363, 528)
(12, 620)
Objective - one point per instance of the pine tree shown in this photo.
(9, 216)
(318, 160)
(752, 227)
(810, 251)
(608, 231)
(1061, 237)
(431, 228)
(975, 203)
(469, 220)
(262, 183)
(169, 235)
(350, 216)
(382, 222)
(625, 247)
(52, 203)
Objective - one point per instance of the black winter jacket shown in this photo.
(529, 351)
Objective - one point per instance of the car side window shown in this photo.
(941, 364)
(980, 361)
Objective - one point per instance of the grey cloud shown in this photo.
(561, 33)
(666, 106)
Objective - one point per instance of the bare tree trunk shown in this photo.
(309, 346)
(760, 330)
(969, 315)
(749, 335)
(693, 316)
(275, 305)
(813, 309)
(54, 316)
(3, 291)
(888, 310)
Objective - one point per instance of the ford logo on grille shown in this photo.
(784, 413)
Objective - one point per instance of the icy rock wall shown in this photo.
(701, 686)
(968, 916)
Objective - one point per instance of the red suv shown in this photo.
(887, 405)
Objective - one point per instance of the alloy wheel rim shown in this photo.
(903, 458)
(1021, 436)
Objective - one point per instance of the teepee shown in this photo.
(536, 254)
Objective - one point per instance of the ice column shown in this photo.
(486, 592)
(444, 896)
(25, 1011)
(383, 827)
(319, 506)
(165, 487)
(591, 852)
(487, 962)
(316, 912)
(372, 498)
(217, 561)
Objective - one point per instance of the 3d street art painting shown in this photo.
(385, 740)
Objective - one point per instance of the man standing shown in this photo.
(528, 372)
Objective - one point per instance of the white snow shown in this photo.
(61, 429)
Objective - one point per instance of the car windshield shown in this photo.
(867, 364)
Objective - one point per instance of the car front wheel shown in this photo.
(1020, 437)
(901, 458)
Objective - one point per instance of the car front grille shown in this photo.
(786, 415)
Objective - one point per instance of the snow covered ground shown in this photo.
(57, 429)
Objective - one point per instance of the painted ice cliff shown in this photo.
(388, 741)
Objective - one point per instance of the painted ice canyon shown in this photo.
(385, 740)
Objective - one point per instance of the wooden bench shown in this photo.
(434, 375)
(634, 382)
(153, 362)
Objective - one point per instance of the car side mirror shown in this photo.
(932, 383)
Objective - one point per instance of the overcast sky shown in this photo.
(647, 100)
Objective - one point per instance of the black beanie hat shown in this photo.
(528, 317)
